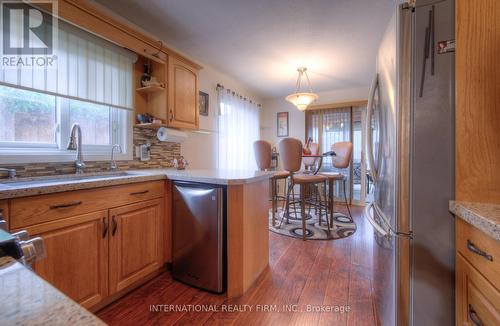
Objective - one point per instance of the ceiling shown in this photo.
(262, 42)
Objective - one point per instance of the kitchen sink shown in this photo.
(63, 179)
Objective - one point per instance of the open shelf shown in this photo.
(150, 125)
(150, 89)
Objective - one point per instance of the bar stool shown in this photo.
(263, 155)
(343, 151)
(291, 158)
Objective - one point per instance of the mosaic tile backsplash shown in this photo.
(162, 154)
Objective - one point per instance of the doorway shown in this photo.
(329, 126)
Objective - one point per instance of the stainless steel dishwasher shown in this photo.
(199, 235)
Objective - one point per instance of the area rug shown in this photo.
(343, 226)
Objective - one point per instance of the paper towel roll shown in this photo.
(170, 135)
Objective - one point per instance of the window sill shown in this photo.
(57, 156)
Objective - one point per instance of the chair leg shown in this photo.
(287, 205)
(346, 203)
(303, 209)
(331, 200)
(326, 208)
(283, 206)
(274, 198)
(294, 203)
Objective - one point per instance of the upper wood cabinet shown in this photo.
(76, 256)
(135, 243)
(182, 94)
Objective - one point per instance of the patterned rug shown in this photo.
(343, 226)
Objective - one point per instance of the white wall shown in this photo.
(200, 149)
(296, 118)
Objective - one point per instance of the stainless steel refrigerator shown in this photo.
(411, 159)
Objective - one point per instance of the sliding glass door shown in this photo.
(329, 126)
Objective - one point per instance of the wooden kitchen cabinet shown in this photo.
(135, 243)
(76, 259)
(182, 94)
(478, 301)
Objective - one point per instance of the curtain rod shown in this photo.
(220, 86)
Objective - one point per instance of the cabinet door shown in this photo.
(182, 95)
(477, 300)
(135, 243)
(76, 259)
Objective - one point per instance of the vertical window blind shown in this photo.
(86, 68)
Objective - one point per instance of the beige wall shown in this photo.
(297, 118)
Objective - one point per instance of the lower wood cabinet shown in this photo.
(76, 256)
(96, 257)
(134, 243)
(478, 301)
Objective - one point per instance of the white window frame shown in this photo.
(121, 133)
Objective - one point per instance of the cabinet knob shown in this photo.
(115, 225)
(171, 115)
(478, 251)
(473, 317)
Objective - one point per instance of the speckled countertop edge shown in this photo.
(29, 300)
(220, 177)
(485, 217)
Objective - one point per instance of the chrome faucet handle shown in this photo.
(112, 165)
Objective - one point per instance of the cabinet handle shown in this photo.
(478, 251)
(73, 203)
(105, 227)
(171, 115)
(473, 317)
(139, 192)
(115, 225)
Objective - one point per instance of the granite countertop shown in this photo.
(29, 300)
(24, 187)
(485, 217)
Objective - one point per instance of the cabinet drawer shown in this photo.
(482, 251)
(478, 302)
(38, 209)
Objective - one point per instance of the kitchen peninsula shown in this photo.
(88, 209)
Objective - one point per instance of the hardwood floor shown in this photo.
(321, 273)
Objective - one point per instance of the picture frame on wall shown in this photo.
(203, 103)
(282, 124)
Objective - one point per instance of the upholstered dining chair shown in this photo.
(291, 158)
(263, 155)
(341, 160)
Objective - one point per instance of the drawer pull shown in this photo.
(171, 116)
(478, 251)
(104, 227)
(115, 225)
(71, 204)
(473, 317)
(139, 192)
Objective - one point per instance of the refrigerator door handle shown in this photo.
(391, 231)
(369, 216)
(369, 112)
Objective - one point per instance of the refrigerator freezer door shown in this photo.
(432, 169)
(384, 260)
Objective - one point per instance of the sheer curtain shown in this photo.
(238, 129)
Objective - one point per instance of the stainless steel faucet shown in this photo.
(11, 172)
(112, 165)
(75, 144)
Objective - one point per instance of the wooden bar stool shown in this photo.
(263, 155)
(291, 158)
(341, 160)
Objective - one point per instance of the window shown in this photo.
(89, 82)
(238, 129)
(37, 126)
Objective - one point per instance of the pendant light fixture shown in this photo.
(300, 99)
